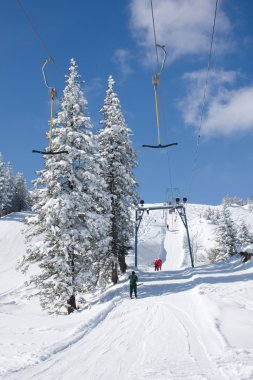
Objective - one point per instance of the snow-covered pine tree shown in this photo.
(6, 187)
(9, 189)
(250, 203)
(229, 201)
(217, 216)
(119, 162)
(20, 199)
(209, 214)
(71, 210)
(226, 236)
(3, 195)
(244, 236)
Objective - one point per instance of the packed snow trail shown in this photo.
(11, 247)
(161, 236)
(172, 331)
(187, 324)
(173, 242)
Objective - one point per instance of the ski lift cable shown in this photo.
(194, 165)
(156, 77)
(169, 166)
(32, 25)
(164, 116)
(35, 31)
(51, 90)
(154, 31)
(156, 82)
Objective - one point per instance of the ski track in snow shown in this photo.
(187, 324)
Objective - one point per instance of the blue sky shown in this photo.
(115, 37)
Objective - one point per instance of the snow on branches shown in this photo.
(119, 161)
(68, 235)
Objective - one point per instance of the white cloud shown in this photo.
(227, 110)
(183, 26)
(122, 58)
(230, 112)
(94, 86)
(215, 77)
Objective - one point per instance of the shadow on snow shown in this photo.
(186, 279)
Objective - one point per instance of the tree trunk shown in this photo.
(114, 273)
(122, 262)
(72, 303)
(246, 256)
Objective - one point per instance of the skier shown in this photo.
(156, 264)
(159, 263)
(133, 284)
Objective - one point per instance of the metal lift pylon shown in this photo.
(180, 208)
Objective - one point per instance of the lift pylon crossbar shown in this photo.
(159, 207)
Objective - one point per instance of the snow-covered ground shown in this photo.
(189, 324)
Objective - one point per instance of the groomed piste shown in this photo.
(186, 323)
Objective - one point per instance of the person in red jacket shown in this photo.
(156, 264)
(159, 263)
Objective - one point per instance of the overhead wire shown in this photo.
(164, 116)
(154, 31)
(52, 90)
(33, 27)
(35, 31)
(194, 165)
(157, 59)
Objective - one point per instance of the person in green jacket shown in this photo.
(133, 284)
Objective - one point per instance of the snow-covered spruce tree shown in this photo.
(229, 201)
(226, 236)
(71, 210)
(6, 187)
(20, 198)
(3, 195)
(9, 189)
(244, 236)
(119, 162)
(209, 214)
(217, 216)
(250, 203)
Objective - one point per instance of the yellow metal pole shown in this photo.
(51, 125)
(157, 115)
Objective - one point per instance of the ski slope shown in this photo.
(193, 324)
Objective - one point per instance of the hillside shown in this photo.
(193, 324)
